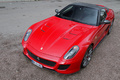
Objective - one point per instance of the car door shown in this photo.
(102, 26)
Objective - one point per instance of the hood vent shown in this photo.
(44, 28)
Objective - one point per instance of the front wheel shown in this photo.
(87, 57)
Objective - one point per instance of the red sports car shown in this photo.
(65, 42)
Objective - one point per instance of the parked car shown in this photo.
(65, 42)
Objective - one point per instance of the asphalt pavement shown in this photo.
(16, 17)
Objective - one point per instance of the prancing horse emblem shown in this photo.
(41, 48)
(38, 58)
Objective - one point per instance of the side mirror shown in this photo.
(56, 10)
(106, 22)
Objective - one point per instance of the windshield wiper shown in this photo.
(75, 20)
(67, 18)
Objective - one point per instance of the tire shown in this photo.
(109, 31)
(87, 57)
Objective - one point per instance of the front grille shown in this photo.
(46, 62)
(63, 67)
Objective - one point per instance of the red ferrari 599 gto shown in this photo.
(65, 42)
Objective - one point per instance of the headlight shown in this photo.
(27, 34)
(71, 53)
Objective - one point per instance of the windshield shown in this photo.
(80, 14)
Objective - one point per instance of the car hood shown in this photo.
(56, 35)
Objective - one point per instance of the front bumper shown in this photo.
(52, 62)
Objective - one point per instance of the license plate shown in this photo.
(37, 64)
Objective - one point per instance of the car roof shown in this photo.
(87, 5)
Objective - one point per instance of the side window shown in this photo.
(103, 15)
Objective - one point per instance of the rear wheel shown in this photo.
(87, 57)
(109, 31)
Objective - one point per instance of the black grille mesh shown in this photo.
(63, 67)
(46, 62)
